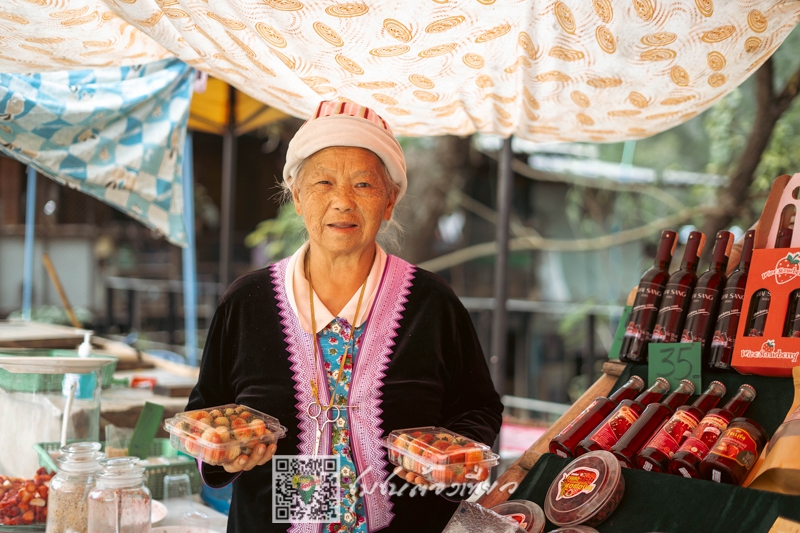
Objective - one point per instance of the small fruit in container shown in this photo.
(259, 427)
(222, 421)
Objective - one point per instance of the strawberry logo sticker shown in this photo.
(578, 481)
(768, 346)
(786, 269)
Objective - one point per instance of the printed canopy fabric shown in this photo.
(565, 70)
(114, 133)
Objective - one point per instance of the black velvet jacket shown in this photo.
(436, 375)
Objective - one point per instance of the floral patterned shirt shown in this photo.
(335, 341)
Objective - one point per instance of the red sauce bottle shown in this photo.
(610, 430)
(565, 442)
(695, 448)
(705, 299)
(678, 292)
(730, 308)
(648, 300)
(648, 423)
(656, 454)
(759, 303)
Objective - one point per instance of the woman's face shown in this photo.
(343, 197)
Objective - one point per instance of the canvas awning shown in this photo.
(570, 70)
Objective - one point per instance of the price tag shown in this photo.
(616, 346)
(675, 362)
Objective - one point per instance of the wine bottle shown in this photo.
(678, 292)
(610, 430)
(730, 308)
(565, 442)
(695, 448)
(648, 299)
(759, 303)
(648, 423)
(792, 327)
(705, 298)
(659, 450)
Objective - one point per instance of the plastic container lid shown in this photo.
(440, 455)
(574, 529)
(80, 457)
(587, 490)
(527, 515)
(218, 435)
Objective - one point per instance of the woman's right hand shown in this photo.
(260, 456)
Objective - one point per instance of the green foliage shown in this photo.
(280, 236)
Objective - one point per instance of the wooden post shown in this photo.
(51, 271)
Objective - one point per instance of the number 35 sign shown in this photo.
(675, 362)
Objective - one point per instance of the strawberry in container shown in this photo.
(219, 435)
(439, 455)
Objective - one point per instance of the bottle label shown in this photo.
(670, 315)
(730, 309)
(578, 481)
(669, 438)
(610, 432)
(644, 312)
(704, 436)
(699, 315)
(738, 445)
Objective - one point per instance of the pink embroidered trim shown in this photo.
(376, 345)
(366, 384)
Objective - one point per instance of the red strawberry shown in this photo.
(243, 433)
(442, 474)
(259, 427)
(790, 262)
(456, 453)
(238, 423)
(473, 454)
(435, 453)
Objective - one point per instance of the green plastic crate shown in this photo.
(153, 474)
(34, 382)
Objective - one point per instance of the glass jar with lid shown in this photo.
(67, 501)
(120, 502)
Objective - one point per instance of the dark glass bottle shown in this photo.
(610, 430)
(695, 448)
(648, 299)
(759, 303)
(705, 298)
(648, 423)
(661, 448)
(730, 308)
(678, 292)
(792, 327)
(565, 442)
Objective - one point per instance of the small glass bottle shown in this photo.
(694, 449)
(648, 423)
(659, 450)
(120, 501)
(67, 507)
(564, 443)
(610, 430)
(648, 300)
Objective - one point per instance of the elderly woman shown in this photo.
(341, 323)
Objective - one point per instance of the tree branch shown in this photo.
(788, 94)
(575, 245)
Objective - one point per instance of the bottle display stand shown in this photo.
(664, 502)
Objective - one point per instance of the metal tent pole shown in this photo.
(499, 319)
(228, 192)
(27, 266)
(189, 256)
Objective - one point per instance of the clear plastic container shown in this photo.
(586, 491)
(527, 515)
(120, 503)
(439, 455)
(220, 434)
(68, 510)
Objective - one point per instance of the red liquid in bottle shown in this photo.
(648, 299)
(610, 430)
(696, 447)
(678, 292)
(759, 303)
(565, 442)
(705, 298)
(792, 327)
(730, 308)
(661, 448)
(648, 423)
